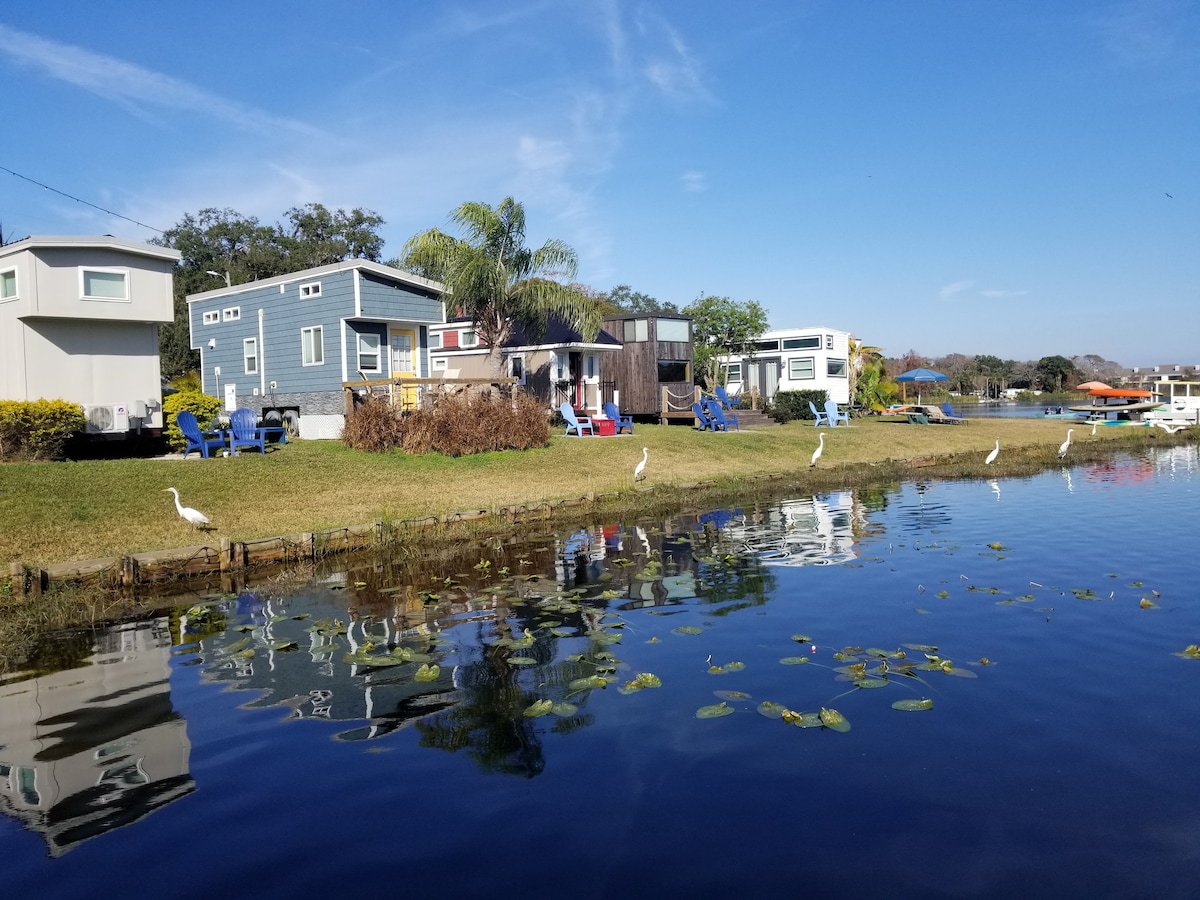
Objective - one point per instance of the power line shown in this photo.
(78, 200)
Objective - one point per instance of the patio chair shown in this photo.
(820, 417)
(580, 425)
(244, 431)
(727, 402)
(833, 415)
(620, 421)
(950, 413)
(197, 439)
(722, 419)
(702, 416)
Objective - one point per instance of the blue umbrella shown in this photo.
(920, 375)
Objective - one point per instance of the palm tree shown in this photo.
(492, 277)
(866, 373)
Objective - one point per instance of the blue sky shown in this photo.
(944, 176)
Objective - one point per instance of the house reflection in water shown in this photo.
(86, 750)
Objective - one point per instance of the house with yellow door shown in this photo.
(284, 345)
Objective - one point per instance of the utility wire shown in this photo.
(78, 200)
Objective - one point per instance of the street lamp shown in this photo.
(224, 275)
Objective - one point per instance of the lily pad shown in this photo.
(802, 720)
(912, 704)
(1191, 651)
(588, 682)
(732, 695)
(834, 720)
(539, 708)
(522, 661)
(687, 629)
(714, 711)
(427, 672)
(801, 639)
(771, 709)
(794, 660)
(563, 710)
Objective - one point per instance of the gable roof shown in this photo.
(348, 265)
(558, 334)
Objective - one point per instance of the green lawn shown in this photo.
(60, 512)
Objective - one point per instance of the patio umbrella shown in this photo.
(1093, 386)
(920, 376)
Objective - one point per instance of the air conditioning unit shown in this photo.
(107, 418)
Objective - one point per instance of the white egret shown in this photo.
(820, 449)
(1065, 445)
(991, 457)
(193, 516)
(1094, 423)
(639, 471)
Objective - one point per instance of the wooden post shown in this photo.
(17, 572)
(129, 571)
(226, 555)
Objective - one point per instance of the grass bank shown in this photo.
(62, 512)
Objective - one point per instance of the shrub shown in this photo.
(203, 406)
(38, 429)
(789, 405)
(456, 424)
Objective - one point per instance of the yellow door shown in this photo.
(403, 365)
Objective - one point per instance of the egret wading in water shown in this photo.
(991, 457)
(1065, 445)
(193, 516)
(639, 471)
(820, 449)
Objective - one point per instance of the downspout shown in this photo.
(262, 358)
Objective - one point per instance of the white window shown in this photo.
(516, 367)
(368, 353)
(231, 313)
(836, 368)
(8, 285)
(440, 365)
(468, 339)
(674, 330)
(104, 284)
(590, 368)
(250, 355)
(801, 369)
(560, 368)
(829, 342)
(733, 372)
(212, 317)
(312, 289)
(313, 346)
(636, 330)
(435, 340)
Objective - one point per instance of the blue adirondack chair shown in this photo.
(703, 418)
(819, 417)
(620, 421)
(833, 415)
(727, 402)
(580, 425)
(197, 439)
(244, 431)
(722, 419)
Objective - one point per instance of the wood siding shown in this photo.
(634, 368)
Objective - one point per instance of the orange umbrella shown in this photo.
(1093, 386)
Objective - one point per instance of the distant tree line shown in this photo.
(991, 376)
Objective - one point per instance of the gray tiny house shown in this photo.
(656, 354)
(284, 345)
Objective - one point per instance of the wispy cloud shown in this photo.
(1000, 293)
(1140, 32)
(670, 65)
(131, 86)
(694, 182)
(950, 291)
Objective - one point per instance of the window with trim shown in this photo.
(591, 368)
(560, 368)
(440, 365)
(312, 345)
(104, 284)
(802, 343)
(212, 317)
(8, 285)
(368, 353)
(250, 355)
(801, 368)
(311, 289)
(636, 330)
(468, 339)
(829, 342)
(673, 370)
(766, 345)
(435, 340)
(733, 372)
(674, 330)
(516, 367)
(836, 368)
(231, 313)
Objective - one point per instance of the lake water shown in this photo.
(257, 748)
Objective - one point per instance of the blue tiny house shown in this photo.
(286, 344)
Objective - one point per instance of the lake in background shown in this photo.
(282, 744)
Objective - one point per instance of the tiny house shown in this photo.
(656, 356)
(793, 359)
(79, 320)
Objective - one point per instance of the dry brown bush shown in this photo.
(456, 424)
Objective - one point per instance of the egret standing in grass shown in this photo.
(1065, 445)
(991, 457)
(193, 516)
(1093, 427)
(639, 471)
(820, 449)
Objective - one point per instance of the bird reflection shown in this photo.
(995, 486)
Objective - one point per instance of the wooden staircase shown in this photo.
(754, 418)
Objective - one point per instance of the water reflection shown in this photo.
(84, 751)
